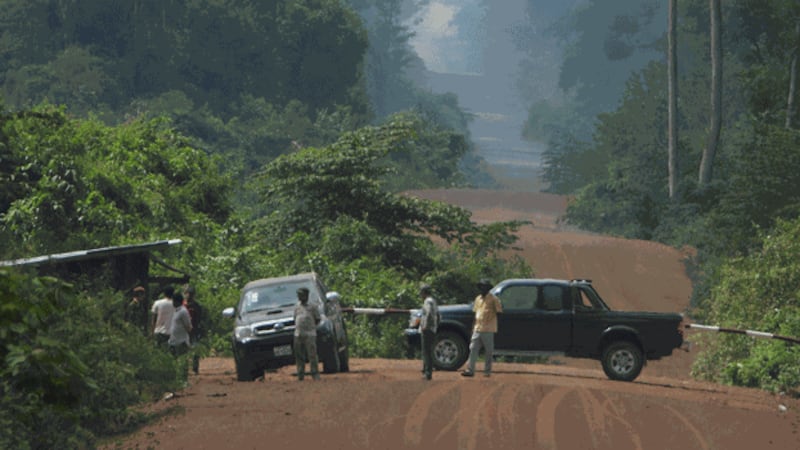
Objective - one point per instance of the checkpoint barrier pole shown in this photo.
(376, 311)
(757, 334)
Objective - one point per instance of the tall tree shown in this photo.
(706, 163)
(672, 95)
(792, 78)
(605, 43)
(390, 60)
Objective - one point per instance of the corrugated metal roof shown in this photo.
(94, 253)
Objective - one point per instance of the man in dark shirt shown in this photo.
(196, 313)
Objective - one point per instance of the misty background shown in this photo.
(514, 64)
(477, 50)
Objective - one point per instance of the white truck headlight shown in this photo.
(243, 332)
(414, 319)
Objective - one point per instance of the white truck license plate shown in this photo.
(282, 350)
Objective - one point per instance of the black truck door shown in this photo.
(533, 318)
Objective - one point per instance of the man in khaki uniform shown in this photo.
(427, 326)
(486, 307)
(306, 319)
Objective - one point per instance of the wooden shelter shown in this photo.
(125, 267)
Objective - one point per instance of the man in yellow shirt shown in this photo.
(486, 307)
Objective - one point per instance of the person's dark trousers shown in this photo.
(180, 352)
(161, 340)
(427, 353)
(195, 349)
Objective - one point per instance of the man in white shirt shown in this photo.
(162, 312)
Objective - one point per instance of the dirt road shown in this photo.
(569, 404)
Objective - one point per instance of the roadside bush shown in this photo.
(71, 366)
(757, 292)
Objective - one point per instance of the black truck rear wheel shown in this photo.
(622, 360)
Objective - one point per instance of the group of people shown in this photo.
(177, 322)
(486, 307)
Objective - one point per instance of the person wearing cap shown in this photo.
(134, 310)
(306, 319)
(428, 324)
(486, 307)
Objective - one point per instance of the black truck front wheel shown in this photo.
(248, 371)
(344, 360)
(622, 361)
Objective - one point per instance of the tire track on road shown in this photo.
(545, 429)
(420, 410)
(695, 431)
(483, 410)
(608, 411)
(474, 415)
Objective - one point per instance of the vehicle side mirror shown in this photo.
(229, 312)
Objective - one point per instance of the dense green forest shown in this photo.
(275, 137)
(252, 131)
(740, 209)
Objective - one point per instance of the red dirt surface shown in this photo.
(568, 404)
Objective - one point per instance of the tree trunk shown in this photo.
(672, 126)
(792, 79)
(707, 161)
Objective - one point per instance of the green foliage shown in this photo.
(763, 188)
(626, 194)
(81, 184)
(315, 186)
(249, 81)
(71, 368)
(757, 292)
(245, 80)
(570, 164)
(110, 52)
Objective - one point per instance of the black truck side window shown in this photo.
(552, 298)
(581, 300)
(519, 297)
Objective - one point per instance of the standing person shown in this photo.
(333, 311)
(486, 308)
(179, 341)
(306, 319)
(427, 325)
(134, 309)
(196, 313)
(163, 311)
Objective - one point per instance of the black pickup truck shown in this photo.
(558, 317)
